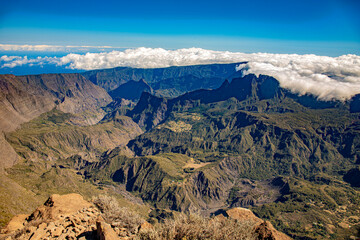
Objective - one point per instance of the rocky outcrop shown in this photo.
(266, 231)
(61, 217)
(263, 230)
(105, 232)
(57, 206)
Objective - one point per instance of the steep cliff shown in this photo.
(170, 82)
(26, 97)
(23, 98)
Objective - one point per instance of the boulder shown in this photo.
(105, 232)
(242, 214)
(266, 231)
(145, 226)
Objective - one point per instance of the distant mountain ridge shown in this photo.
(249, 87)
(170, 82)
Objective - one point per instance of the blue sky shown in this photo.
(330, 27)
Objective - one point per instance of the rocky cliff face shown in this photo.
(20, 102)
(23, 98)
(73, 93)
(171, 81)
(26, 97)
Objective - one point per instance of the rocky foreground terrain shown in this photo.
(71, 217)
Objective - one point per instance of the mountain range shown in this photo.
(167, 82)
(191, 139)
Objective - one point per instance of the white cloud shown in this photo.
(325, 77)
(17, 61)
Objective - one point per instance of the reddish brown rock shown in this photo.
(17, 222)
(105, 232)
(266, 231)
(145, 226)
(242, 214)
(57, 206)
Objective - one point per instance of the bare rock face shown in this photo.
(242, 214)
(23, 98)
(264, 230)
(21, 101)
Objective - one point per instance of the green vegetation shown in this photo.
(172, 163)
(53, 135)
(315, 148)
(314, 210)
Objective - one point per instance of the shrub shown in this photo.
(196, 227)
(117, 216)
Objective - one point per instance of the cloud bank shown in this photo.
(325, 77)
